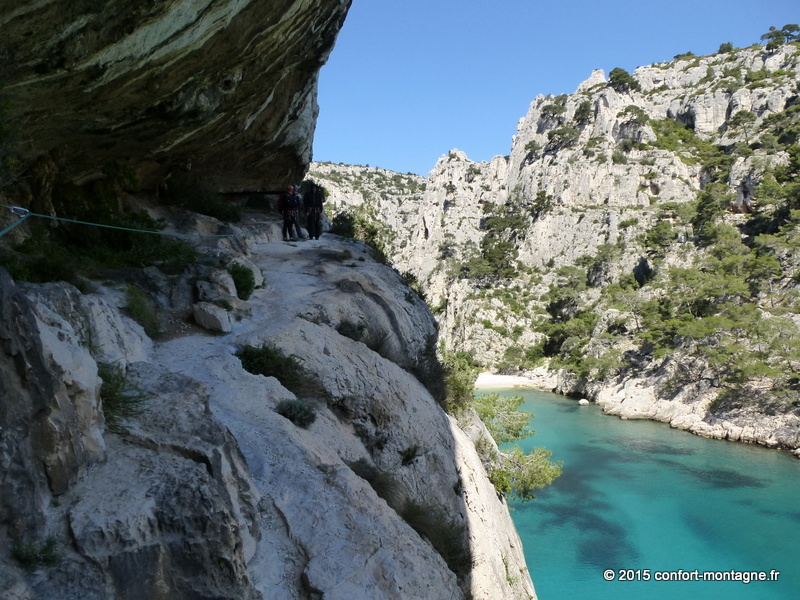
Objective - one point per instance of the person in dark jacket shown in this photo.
(312, 202)
(289, 205)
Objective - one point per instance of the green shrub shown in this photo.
(343, 224)
(269, 361)
(553, 110)
(562, 137)
(541, 204)
(660, 235)
(501, 480)
(634, 114)
(121, 399)
(42, 266)
(298, 412)
(682, 140)
(461, 371)
(383, 482)
(70, 251)
(501, 416)
(516, 357)
(533, 149)
(583, 114)
(31, 555)
(410, 454)
(362, 225)
(618, 158)
(244, 280)
(622, 81)
(411, 281)
(518, 474)
(725, 48)
(142, 310)
(352, 330)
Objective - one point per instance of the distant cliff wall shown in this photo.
(591, 247)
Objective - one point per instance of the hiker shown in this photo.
(312, 201)
(297, 204)
(289, 206)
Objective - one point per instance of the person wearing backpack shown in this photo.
(289, 205)
(312, 201)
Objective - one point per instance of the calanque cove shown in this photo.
(204, 411)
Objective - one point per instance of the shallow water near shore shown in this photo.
(643, 501)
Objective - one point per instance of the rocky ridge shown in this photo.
(211, 493)
(590, 175)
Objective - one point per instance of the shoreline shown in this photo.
(674, 414)
(490, 381)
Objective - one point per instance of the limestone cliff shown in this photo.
(224, 87)
(140, 470)
(615, 208)
(211, 492)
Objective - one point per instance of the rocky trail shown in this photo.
(212, 492)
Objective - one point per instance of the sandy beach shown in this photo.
(488, 381)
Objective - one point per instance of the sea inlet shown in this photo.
(645, 511)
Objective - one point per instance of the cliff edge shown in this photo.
(214, 490)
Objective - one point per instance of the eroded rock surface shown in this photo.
(224, 87)
(211, 493)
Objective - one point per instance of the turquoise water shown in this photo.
(641, 496)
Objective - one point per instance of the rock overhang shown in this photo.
(227, 88)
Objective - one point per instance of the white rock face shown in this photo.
(239, 501)
(640, 399)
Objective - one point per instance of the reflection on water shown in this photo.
(640, 495)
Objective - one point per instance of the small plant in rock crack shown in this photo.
(271, 362)
(383, 482)
(142, 310)
(298, 412)
(121, 399)
(410, 454)
(354, 331)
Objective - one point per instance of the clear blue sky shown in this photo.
(409, 80)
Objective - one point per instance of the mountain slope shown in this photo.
(639, 241)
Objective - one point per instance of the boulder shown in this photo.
(212, 317)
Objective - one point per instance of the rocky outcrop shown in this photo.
(641, 398)
(172, 511)
(226, 88)
(52, 423)
(211, 492)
